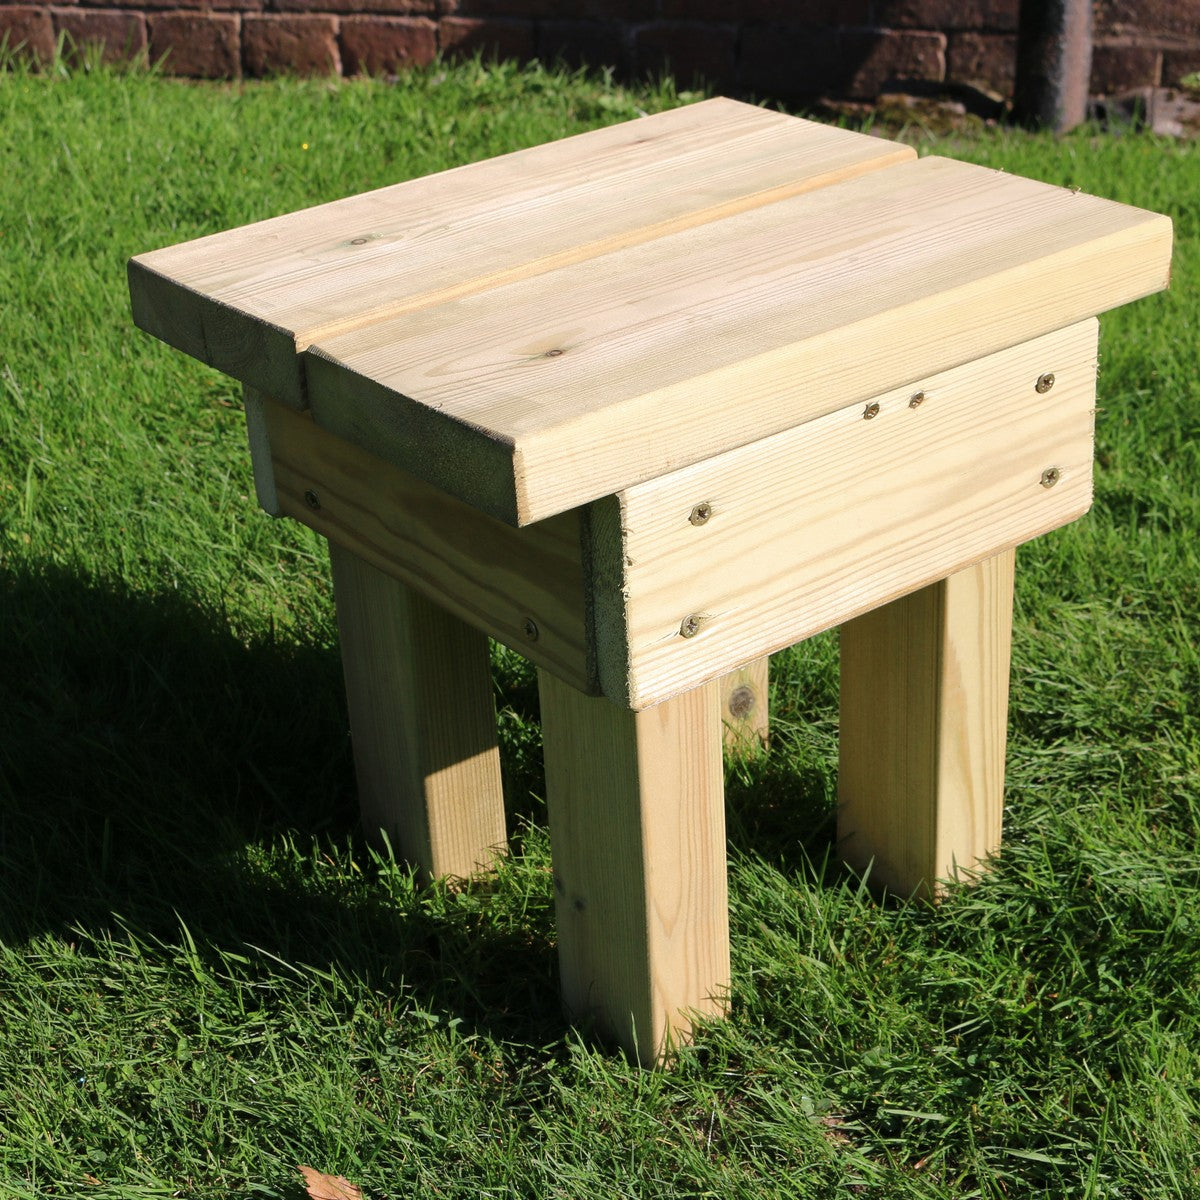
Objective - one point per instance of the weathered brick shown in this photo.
(461, 37)
(790, 12)
(197, 44)
(690, 52)
(180, 7)
(584, 43)
(29, 31)
(1149, 17)
(563, 10)
(1178, 63)
(121, 34)
(1121, 66)
(880, 60)
(943, 15)
(386, 45)
(986, 59)
(391, 8)
(299, 45)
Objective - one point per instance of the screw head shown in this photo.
(741, 702)
(700, 514)
(312, 499)
(689, 626)
(916, 400)
(1050, 476)
(871, 411)
(1044, 383)
(530, 629)
(359, 241)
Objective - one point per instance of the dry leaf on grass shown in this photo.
(329, 1187)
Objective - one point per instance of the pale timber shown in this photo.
(540, 395)
(259, 439)
(924, 707)
(247, 300)
(422, 720)
(637, 833)
(833, 518)
(744, 707)
(492, 576)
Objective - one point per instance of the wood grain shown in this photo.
(245, 301)
(744, 716)
(924, 708)
(493, 577)
(596, 376)
(824, 522)
(423, 722)
(637, 831)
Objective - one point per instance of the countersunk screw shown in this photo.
(1050, 476)
(530, 629)
(312, 499)
(690, 626)
(700, 513)
(1044, 383)
(916, 400)
(872, 410)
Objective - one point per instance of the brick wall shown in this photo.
(851, 49)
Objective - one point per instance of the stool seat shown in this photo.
(650, 404)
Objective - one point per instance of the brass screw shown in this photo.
(530, 629)
(312, 499)
(690, 626)
(1050, 476)
(700, 514)
(872, 410)
(1044, 383)
(916, 400)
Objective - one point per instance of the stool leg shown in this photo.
(744, 707)
(637, 833)
(924, 713)
(423, 722)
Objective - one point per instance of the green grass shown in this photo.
(206, 978)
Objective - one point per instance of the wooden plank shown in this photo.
(523, 587)
(924, 709)
(637, 833)
(744, 717)
(246, 300)
(597, 376)
(423, 722)
(814, 526)
(260, 451)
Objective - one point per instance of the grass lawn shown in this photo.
(206, 978)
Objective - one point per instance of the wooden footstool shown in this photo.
(647, 405)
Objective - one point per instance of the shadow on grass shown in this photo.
(149, 760)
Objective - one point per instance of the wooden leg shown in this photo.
(637, 833)
(924, 713)
(423, 721)
(743, 700)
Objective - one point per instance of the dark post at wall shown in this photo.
(1054, 63)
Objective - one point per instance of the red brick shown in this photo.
(387, 45)
(461, 37)
(1121, 67)
(391, 8)
(583, 43)
(692, 53)
(565, 10)
(28, 31)
(791, 12)
(279, 45)
(121, 34)
(199, 45)
(985, 59)
(1151, 17)
(179, 7)
(878, 61)
(997, 15)
(1178, 63)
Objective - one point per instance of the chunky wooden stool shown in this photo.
(647, 405)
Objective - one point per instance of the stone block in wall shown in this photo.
(391, 8)
(386, 45)
(559, 10)
(1122, 66)
(876, 61)
(999, 16)
(1148, 19)
(985, 59)
(584, 43)
(289, 44)
(27, 30)
(784, 12)
(461, 37)
(1178, 63)
(178, 6)
(692, 52)
(201, 45)
(121, 34)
